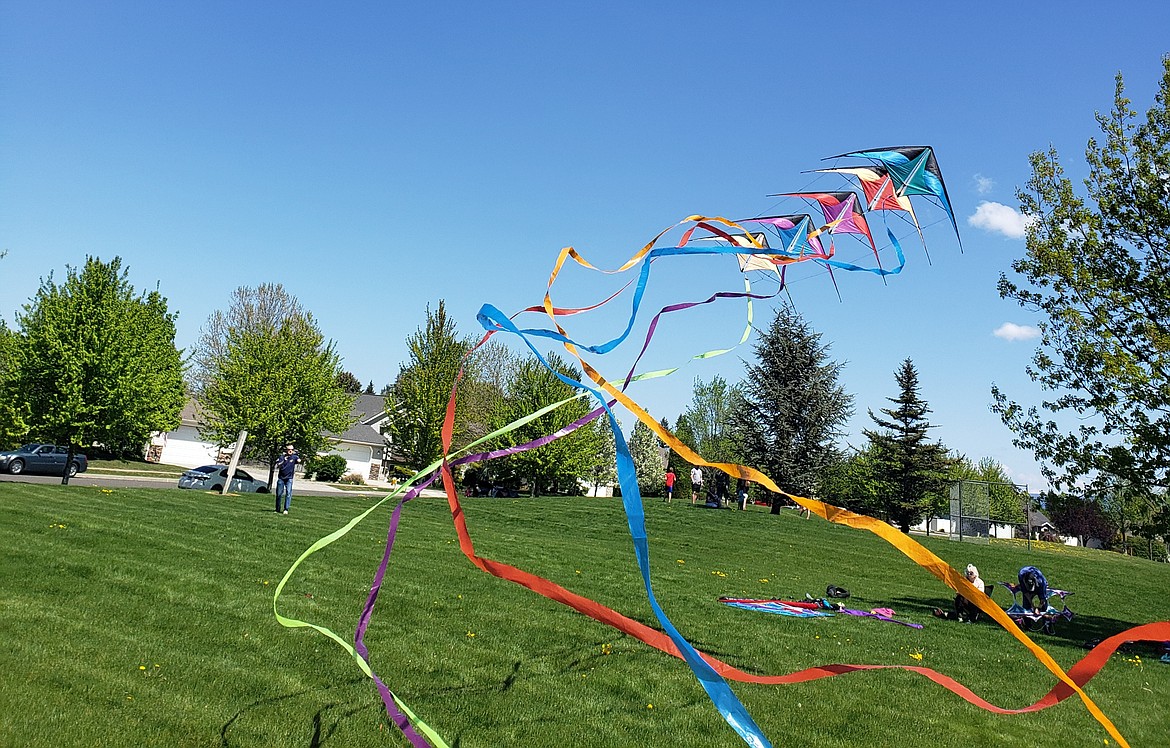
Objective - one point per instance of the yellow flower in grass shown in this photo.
(470, 634)
(606, 648)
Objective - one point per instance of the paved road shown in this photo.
(302, 488)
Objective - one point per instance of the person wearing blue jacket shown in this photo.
(1034, 588)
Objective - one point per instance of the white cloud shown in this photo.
(983, 184)
(1012, 331)
(999, 218)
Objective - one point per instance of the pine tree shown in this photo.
(791, 409)
(912, 471)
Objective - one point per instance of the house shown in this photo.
(362, 445)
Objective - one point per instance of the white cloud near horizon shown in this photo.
(1012, 331)
(983, 184)
(999, 219)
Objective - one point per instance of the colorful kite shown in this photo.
(913, 171)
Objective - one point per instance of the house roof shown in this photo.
(360, 433)
(369, 409)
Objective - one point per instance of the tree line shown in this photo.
(91, 361)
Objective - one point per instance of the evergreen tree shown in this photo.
(370, 388)
(647, 459)
(791, 410)
(1096, 269)
(914, 471)
(349, 383)
(681, 468)
(96, 363)
(265, 367)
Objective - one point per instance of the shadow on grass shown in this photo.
(1079, 632)
(324, 723)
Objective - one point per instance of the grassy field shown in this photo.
(144, 617)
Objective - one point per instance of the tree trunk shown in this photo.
(68, 462)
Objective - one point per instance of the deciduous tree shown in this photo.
(647, 459)
(709, 418)
(558, 466)
(1097, 270)
(434, 354)
(265, 367)
(97, 363)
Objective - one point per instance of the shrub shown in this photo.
(329, 468)
(352, 479)
(1140, 548)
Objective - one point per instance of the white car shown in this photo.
(212, 478)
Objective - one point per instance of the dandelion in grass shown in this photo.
(681, 561)
(470, 634)
(764, 581)
(606, 648)
(917, 655)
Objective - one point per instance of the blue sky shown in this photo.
(375, 158)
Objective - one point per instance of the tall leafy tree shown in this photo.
(601, 468)
(13, 410)
(1096, 270)
(434, 354)
(709, 418)
(96, 362)
(647, 459)
(852, 483)
(560, 465)
(914, 470)
(791, 409)
(265, 367)
(1005, 500)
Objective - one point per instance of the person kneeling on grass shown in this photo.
(965, 610)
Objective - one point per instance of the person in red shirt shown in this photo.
(670, 477)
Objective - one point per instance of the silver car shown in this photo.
(212, 477)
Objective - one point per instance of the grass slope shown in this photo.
(144, 617)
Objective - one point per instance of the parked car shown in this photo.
(212, 477)
(47, 459)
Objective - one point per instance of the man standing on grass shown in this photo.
(696, 483)
(286, 468)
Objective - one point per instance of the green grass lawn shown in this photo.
(144, 617)
(135, 467)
